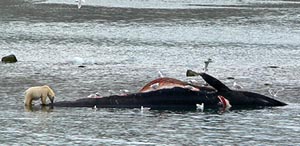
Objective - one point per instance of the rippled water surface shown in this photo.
(123, 44)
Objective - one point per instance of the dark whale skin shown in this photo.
(178, 98)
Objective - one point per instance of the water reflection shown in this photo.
(35, 108)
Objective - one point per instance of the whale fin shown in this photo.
(218, 85)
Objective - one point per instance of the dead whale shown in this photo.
(170, 93)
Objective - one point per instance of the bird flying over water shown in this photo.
(160, 74)
(274, 92)
(206, 64)
(80, 2)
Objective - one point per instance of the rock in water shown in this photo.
(9, 59)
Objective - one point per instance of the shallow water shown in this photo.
(123, 45)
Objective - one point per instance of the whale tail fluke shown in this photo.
(218, 85)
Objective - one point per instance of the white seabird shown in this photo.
(160, 74)
(80, 2)
(236, 86)
(206, 64)
(154, 86)
(274, 92)
(200, 106)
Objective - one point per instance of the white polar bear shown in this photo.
(38, 92)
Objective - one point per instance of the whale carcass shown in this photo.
(169, 93)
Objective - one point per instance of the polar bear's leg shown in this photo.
(44, 98)
(28, 100)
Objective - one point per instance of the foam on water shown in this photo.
(81, 61)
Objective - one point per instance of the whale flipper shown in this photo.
(218, 85)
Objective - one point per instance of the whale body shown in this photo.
(170, 93)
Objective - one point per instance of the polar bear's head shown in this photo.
(50, 93)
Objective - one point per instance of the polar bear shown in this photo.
(38, 92)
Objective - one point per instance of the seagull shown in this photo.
(200, 106)
(97, 94)
(274, 92)
(160, 74)
(206, 64)
(80, 2)
(124, 91)
(144, 109)
(91, 96)
(236, 86)
(95, 107)
(154, 86)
